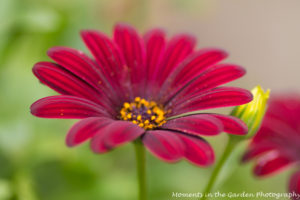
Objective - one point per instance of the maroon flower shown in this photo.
(277, 144)
(133, 87)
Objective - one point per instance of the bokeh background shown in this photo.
(262, 36)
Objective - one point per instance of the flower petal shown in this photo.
(178, 48)
(219, 97)
(208, 79)
(232, 125)
(166, 145)
(264, 134)
(202, 124)
(197, 63)
(274, 135)
(67, 83)
(258, 150)
(281, 129)
(82, 66)
(67, 107)
(109, 59)
(277, 132)
(106, 52)
(294, 185)
(197, 150)
(78, 63)
(85, 129)
(187, 70)
(115, 134)
(286, 107)
(271, 163)
(133, 51)
(155, 43)
(63, 81)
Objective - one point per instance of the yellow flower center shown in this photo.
(146, 114)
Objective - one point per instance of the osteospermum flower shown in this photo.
(134, 86)
(277, 143)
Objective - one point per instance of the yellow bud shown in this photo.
(252, 113)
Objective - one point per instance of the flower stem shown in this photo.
(232, 143)
(141, 168)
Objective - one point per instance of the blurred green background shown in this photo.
(34, 161)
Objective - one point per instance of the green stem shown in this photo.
(232, 143)
(141, 168)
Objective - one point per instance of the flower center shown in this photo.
(146, 114)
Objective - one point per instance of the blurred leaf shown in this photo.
(14, 137)
(6, 166)
(5, 189)
(24, 186)
(56, 178)
(40, 19)
(7, 12)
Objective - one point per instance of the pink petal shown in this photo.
(202, 124)
(264, 134)
(208, 79)
(286, 107)
(85, 129)
(197, 150)
(82, 66)
(108, 56)
(190, 68)
(78, 63)
(294, 185)
(278, 133)
(271, 163)
(258, 150)
(275, 135)
(155, 43)
(232, 125)
(115, 134)
(166, 145)
(67, 83)
(178, 48)
(198, 63)
(133, 50)
(281, 128)
(63, 81)
(67, 107)
(219, 97)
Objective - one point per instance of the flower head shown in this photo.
(252, 113)
(277, 143)
(134, 85)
